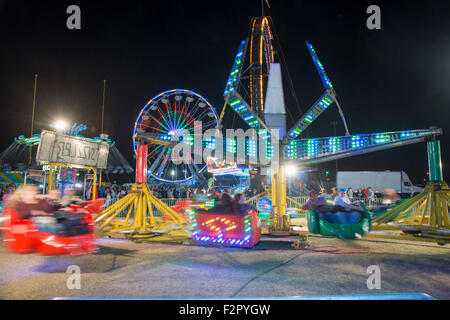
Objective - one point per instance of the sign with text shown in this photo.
(70, 150)
(67, 175)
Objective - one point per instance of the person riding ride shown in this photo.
(319, 205)
(350, 213)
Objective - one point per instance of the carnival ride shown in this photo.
(424, 216)
(75, 238)
(340, 230)
(16, 165)
(174, 113)
(254, 91)
(226, 228)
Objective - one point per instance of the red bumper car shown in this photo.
(75, 237)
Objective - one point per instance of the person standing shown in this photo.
(350, 194)
(334, 193)
(88, 193)
(102, 192)
(370, 194)
(123, 192)
(365, 193)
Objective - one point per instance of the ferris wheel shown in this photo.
(174, 113)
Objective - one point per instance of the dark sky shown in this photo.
(396, 78)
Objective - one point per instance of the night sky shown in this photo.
(396, 78)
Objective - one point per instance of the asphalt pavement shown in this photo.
(123, 269)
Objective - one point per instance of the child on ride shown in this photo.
(240, 207)
(320, 206)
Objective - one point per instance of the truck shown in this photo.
(378, 181)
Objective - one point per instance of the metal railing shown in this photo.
(302, 200)
(296, 203)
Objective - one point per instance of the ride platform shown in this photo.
(425, 216)
(147, 217)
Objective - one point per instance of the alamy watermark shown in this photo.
(374, 20)
(74, 280)
(74, 20)
(374, 280)
(242, 147)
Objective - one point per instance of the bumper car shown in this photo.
(71, 232)
(226, 229)
(340, 230)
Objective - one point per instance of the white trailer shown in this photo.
(378, 181)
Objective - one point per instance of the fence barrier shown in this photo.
(289, 204)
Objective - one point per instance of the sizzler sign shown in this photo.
(74, 151)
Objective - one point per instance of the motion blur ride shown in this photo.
(254, 91)
(77, 238)
(226, 228)
(340, 230)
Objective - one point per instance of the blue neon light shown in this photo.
(326, 81)
(235, 71)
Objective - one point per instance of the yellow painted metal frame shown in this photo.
(140, 221)
(427, 212)
(65, 165)
(279, 219)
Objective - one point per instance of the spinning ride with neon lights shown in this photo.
(219, 168)
(173, 113)
(17, 155)
(264, 110)
(225, 228)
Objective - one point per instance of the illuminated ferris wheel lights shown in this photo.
(171, 115)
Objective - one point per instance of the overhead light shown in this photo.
(60, 125)
(291, 170)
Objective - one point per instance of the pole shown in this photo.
(45, 183)
(434, 161)
(334, 123)
(50, 177)
(32, 114)
(84, 186)
(94, 186)
(347, 133)
(141, 164)
(103, 104)
(103, 116)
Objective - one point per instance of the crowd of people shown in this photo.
(366, 193)
(167, 192)
(6, 190)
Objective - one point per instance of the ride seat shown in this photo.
(225, 228)
(19, 234)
